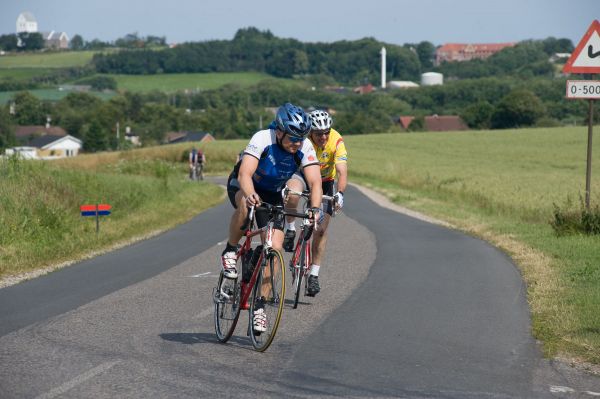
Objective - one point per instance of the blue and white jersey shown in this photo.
(275, 165)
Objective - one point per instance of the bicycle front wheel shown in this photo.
(226, 297)
(268, 293)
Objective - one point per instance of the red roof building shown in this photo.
(444, 123)
(26, 132)
(464, 52)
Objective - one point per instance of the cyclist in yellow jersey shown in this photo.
(333, 157)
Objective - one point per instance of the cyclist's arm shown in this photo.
(312, 174)
(247, 169)
(342, 173)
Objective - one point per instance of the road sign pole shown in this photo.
(588, 175)
(97, 220)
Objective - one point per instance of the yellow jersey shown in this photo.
(332, 153)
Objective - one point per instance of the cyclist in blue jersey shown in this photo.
(270, 160)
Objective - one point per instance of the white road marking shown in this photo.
(201, 274)
(592, 393)
(559, 389)
(77, 380)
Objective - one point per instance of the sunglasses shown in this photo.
(294, 139)
(321, 132)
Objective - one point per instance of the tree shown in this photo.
(478, 115)
(31, 41)
(7, 137)
(519, 108)
(28, 109)
(426, 53)
(8, 42)
(77, 43)
(96, 138)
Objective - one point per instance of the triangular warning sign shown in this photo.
(586, 56)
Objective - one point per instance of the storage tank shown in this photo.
(432, 78)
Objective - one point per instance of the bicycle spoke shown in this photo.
(226, 298)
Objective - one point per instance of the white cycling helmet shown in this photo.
(320, 120)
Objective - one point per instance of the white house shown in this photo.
(52, 147)
(26, 22)
(49, 147)
(23, 152)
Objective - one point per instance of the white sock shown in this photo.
(290, 226)
(314, 270)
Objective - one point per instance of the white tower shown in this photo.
(383, 67)
(26, 22)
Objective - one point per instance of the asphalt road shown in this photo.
(408, 309)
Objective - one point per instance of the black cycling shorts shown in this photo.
(262, 216)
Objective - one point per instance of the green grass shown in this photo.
(187, 81)
(40, 223)
(23, 73)
(501, 185)
(62, 59)
(50, 95)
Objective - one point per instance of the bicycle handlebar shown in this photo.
(270, 208)
(306, 194)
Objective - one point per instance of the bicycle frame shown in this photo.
(246, 288)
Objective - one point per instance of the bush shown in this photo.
(583, 220)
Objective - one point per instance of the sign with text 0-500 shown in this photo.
(583, 89)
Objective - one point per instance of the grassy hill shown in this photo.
(63, 59)
(188, 81)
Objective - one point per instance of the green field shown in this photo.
(23, 73)
(50, 95)
(46, 60)
(188, 81)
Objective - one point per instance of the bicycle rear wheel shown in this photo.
(299, 274)
(272, 276)
(226, 297)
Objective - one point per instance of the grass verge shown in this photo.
(40, 222)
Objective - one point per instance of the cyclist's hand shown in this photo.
(253, 200)
(339, 200)
(315, 216)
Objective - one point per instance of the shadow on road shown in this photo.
(200, 338)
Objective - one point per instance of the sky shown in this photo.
(389, 21)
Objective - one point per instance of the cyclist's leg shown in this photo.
(229, 255)
(296, 183)
(319, 243)
(320, 240)
(237, 219)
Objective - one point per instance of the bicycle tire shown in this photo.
(299, 274)
(273, 305)
(227, 311)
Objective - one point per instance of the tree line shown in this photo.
(236, 112)
(516, 87)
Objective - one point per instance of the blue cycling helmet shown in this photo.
(293, 120)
